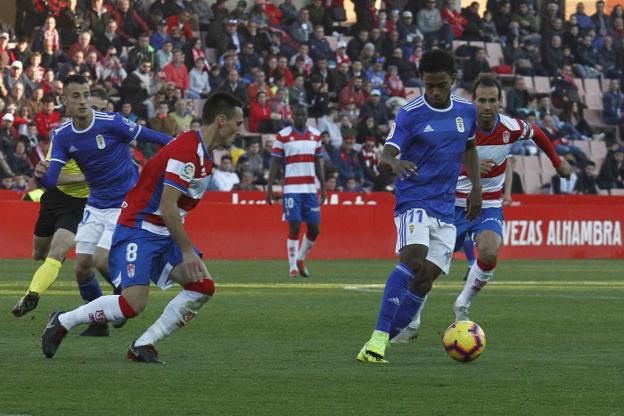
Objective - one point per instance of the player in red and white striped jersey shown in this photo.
(496, 134)
(299, 150)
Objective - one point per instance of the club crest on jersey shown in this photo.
(131, 270)
(460, 124)
(187, 172)
(506, 137)
(292, 139)
(101, 143)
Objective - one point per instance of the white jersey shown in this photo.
(496, 145)
(298, 151)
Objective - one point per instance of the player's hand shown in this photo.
(473, 204)
(486, 166)
(41, 169)
(564, 170)
(195, 267)
(403, 168)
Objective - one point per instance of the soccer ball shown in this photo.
(464, 341)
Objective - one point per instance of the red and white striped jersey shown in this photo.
(496, 145)
(183, 164)
(298, 152)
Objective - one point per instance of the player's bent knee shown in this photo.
(205, 286)
(127, 309)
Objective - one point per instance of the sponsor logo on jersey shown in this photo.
(460, 124)
(428, 128)
(188, 171)
(101, 143)
(131, 124)
(506, 137)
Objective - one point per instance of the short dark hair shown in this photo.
(228, 157)
(437, 60)
(300, 107)
(217, 103)
(487, 80)
(74, 79)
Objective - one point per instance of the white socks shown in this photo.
(480, 273)
(306, 245)
(178, 312)
(98, 311)
(293, 248)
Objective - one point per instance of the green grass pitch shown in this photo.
(267, 344)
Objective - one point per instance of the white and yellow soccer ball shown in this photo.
(464, 341)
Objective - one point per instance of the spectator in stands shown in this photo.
(302, 28)
(181, 20)
(289, 12)
(71, 22)
(141, 52)
(432, 27)
(407, 28)
(8, 137)
(559, 185)
(258, 85)
(319, 46)
(573, 115)
(453, 18)
(139, 86)
(367, 128)
(317, 97)
(165, 7)
(611, 173)
(176, 71)
(162, 122)
(562, 144)
(107, 38)
(473, 29)
(199, 85)
(564, 88)
(48, 119)
(249, 60)
(84, 44)
(110, 70)
(297, 92)
(234, 86)
(587, 181)
(611, 59)
(601, 20)
(12, 77)
(21, 161)
(260, 115)
(165, 54)
(377, 110)
(369, 159)
(552, 55)
(589, 60)
(527, 22)
(407, 69)
(355, 45)
(517, 98)
(472, 67)
(347, 162)
(550, 11)
(98, 16)
(613, 104)
(47, 31)
(175, 36)
(224, 178)
(585, 22)
(182, 116)
(129, 22)
(353, 92)
(247, 182)
(329, 123)
(8, 182)
(256, 162)
(76, 65)
(503, 19)
(279, 105)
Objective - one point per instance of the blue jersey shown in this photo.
(102, 153)
(434, 140)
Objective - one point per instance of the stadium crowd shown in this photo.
(155, 61)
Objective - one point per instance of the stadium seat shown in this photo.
(531, 182)
(460, 92)
(594, 101)
(545, 179)
(617, 191)
(598, 149)
(217, 154)
(580, 86)
(546, 164)
(477, 44)
(605, 84)
(542, 85)
(529, 84)
(8, 195)
(198, 106)
(494, 51)
(592, 86)
(583, 145)
(333, 42)
(531, 164)
(458, 43)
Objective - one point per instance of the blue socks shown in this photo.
(91, 290)
(396, 287)
(469, 251)
(409, 308)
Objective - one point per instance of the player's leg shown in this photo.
(442, 242)
(46, 273)
(312, 218)
(135, 266)
(178, 312)
(412, 246)
(489, 243)
(469, 251)
(292, 214)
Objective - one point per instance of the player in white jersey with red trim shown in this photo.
(299, 150)
(496, 134)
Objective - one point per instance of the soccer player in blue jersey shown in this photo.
(99, 143)
(433, 134)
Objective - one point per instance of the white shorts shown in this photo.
(414, 226)
(96, 229)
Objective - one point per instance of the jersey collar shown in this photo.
(439, 110)
(493, 128)
(201, 141)
(88, 128)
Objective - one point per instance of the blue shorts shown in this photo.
(490, 219)
(302, 208)
(138, 256)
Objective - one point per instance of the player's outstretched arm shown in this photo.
(471, 162)
(543, 142)
(389, 163)
(153, 136)
(275, 168)
(171, 216)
